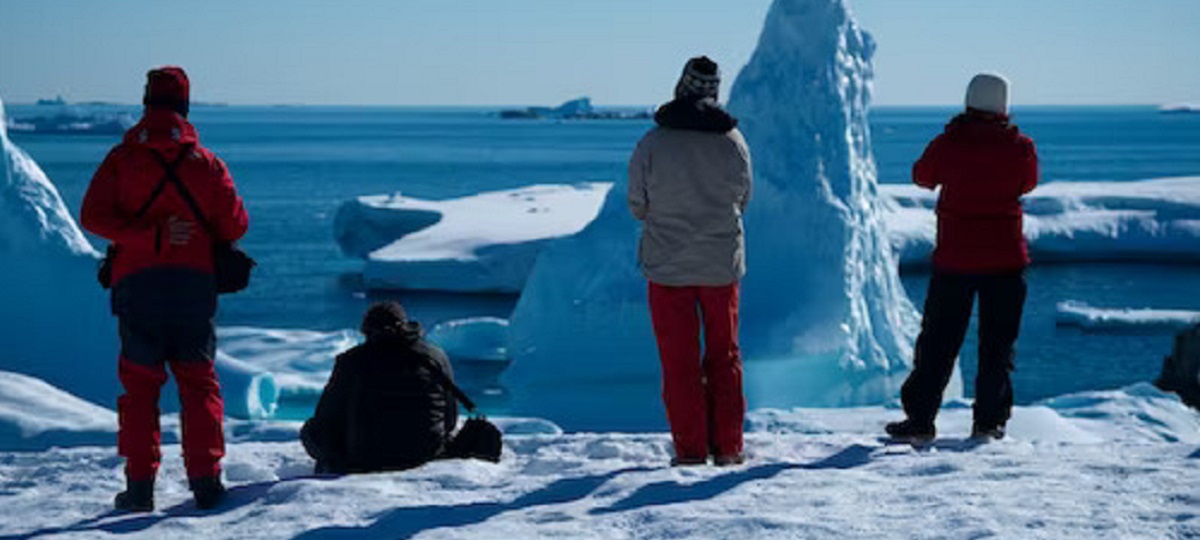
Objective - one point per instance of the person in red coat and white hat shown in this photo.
(983, 165)
(163, 287)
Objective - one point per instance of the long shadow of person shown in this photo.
(407, 522)
(672, 492)
(117, 522)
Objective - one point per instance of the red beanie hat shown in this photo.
(167, 87)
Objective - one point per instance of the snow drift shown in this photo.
(825, 319)
(1149, 220)
(485, 242)
(57, 321)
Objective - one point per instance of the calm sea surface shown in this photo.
(295, 165)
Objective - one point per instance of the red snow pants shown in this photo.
(703, 395)
(139, 435)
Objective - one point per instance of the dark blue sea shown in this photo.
(295, 165)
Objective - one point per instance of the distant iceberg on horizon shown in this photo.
(1180, 108)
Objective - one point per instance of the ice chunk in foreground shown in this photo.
(1148, 220)
(1079, 314)
(485, 242)
(825, 319)
(36, 415)
(56, 319)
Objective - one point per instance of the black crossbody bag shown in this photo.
(231, 265)
(478, 438)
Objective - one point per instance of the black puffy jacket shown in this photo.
(382, 408)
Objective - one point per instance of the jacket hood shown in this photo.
(982, 127)
(695, 115)
(408, 334)
(162, 128)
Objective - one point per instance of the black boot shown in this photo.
(910, 431)
(137, 497)
(985, 433)
(208, 491)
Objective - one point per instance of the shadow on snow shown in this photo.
(407, 522)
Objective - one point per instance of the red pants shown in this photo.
(704, 400)
(203, 412)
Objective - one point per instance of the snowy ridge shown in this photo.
(1118, 464)
(1080, 314)
(484, 242)
(1148, 220)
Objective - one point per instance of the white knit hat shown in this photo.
(988, 92)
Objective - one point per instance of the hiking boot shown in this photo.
(688, 461)
(137, 497)
(994, 433)
(208, 491)
(910, 431)
(729, 460)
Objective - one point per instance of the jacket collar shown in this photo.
(162, 128)
(695, 115)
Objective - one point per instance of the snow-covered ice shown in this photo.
(1082, 315)
(35, 416)
(484, 242)
(1098, 465)
(1148, 220)
(299, 360)
(825, 319)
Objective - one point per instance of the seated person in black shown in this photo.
(383, 409)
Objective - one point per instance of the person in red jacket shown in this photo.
(983, 165)
(163, 290)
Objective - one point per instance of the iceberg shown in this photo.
(825, 318)
(1148, 220)
(56, 318)
(483, 243)
(1129, 320)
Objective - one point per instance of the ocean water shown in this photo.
(295, 165)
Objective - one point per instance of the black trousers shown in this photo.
(947, 315)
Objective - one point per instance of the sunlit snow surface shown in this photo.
(1116, 464)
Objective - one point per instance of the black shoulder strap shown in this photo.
(183, 191)
(162, 183)
(445, 380)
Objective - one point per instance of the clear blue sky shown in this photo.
(483, 52)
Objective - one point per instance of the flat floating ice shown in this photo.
(1147, 220)
(486, 242)
(1081, 315)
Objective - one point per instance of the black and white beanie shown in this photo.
(701, 79)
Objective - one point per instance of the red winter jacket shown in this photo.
(984, 165)
(124, 182)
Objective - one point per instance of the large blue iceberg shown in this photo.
(825, 319)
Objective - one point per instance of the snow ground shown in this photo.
(1119, 464)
